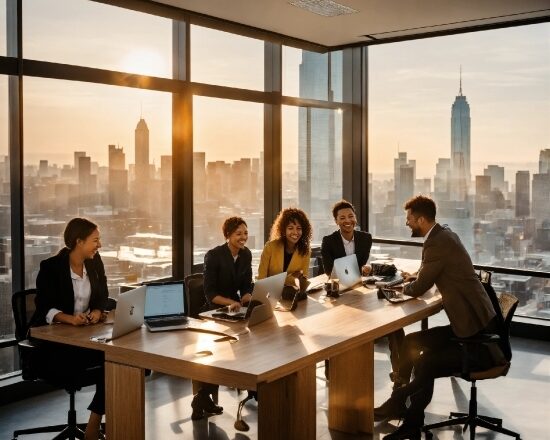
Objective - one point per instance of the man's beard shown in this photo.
(416, 233)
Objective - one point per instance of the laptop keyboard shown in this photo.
(230, 317)
(166, 322)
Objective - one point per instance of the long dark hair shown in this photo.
(77, 229)
(292, 215)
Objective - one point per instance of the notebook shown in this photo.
(128, 316)
(347, 271)
(259, 309)
(165, 307)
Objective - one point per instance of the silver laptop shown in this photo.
(259, 309)
(128, 316)
(165, 307)
(347, 271)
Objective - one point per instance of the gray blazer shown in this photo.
(446, 263)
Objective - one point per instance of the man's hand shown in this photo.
(366, 269)
(408, 277)
(246, 299)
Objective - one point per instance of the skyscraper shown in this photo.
(118, 178)
(142, 151)
(460, 146)
(523, 194)
(404, 177)
(319, 143)
(544, 161)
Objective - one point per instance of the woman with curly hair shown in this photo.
(288, 249)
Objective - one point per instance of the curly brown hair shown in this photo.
(293, 215)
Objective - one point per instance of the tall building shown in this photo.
(460, 146)
(523, 194)
(142, 151)
(142, 184)
(199, 176)
(118, 178)
(77, 156)
(319, 144)
(482, 197)
(404, 179)
(497, 178)
(442, 179)
(544, 161)
(541, 197)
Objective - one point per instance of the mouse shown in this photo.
(203, 353)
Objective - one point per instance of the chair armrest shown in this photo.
(26, 344)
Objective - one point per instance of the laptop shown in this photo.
(347, 271)
(128, 316)
(259, 308)
(165, 307)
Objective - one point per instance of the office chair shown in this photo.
(196, 303)
(194, 286)
(505, 306)
(23, 309)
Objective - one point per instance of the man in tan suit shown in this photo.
(432, 353)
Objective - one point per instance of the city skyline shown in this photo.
(506, 75)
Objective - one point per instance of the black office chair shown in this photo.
(196, 303)
(23, 309)
(194, 287)
(505, 306)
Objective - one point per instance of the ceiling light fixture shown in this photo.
(326, 8)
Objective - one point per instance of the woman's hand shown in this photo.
(246, 299)
(94, 316)
(79, 319)
(234, 307)
(366, 269)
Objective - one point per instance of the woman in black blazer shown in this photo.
(227, 282)
(72, 289)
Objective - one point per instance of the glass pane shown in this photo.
(226, 59)
(227, 172)
(305, 74)
(7, 359)
(104, 153)
(464, 118)
(312, 164)
(100, 36)
(3, 47)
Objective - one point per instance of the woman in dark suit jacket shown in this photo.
(72, 289)
(227, 282)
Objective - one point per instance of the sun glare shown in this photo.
(145, 62)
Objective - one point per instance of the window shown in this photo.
(307, 75)
(464, 118)
(226, 59)
(227, 172)
(90, 34)
(6, 317)
(3, 47)
(312, 164)
(104, 153)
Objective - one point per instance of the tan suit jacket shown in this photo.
(272, 260)
(446, 263)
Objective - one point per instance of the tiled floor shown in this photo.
(522, 399)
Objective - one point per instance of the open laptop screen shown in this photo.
(164, 300)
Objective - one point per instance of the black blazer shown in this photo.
(55, 287)
(332, 248)
(223, 276)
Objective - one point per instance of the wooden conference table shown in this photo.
(277, 358)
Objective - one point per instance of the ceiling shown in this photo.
(372, 20)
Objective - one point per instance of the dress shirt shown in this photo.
(349, 246)
(82, 292)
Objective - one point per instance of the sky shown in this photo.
(412, 85)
